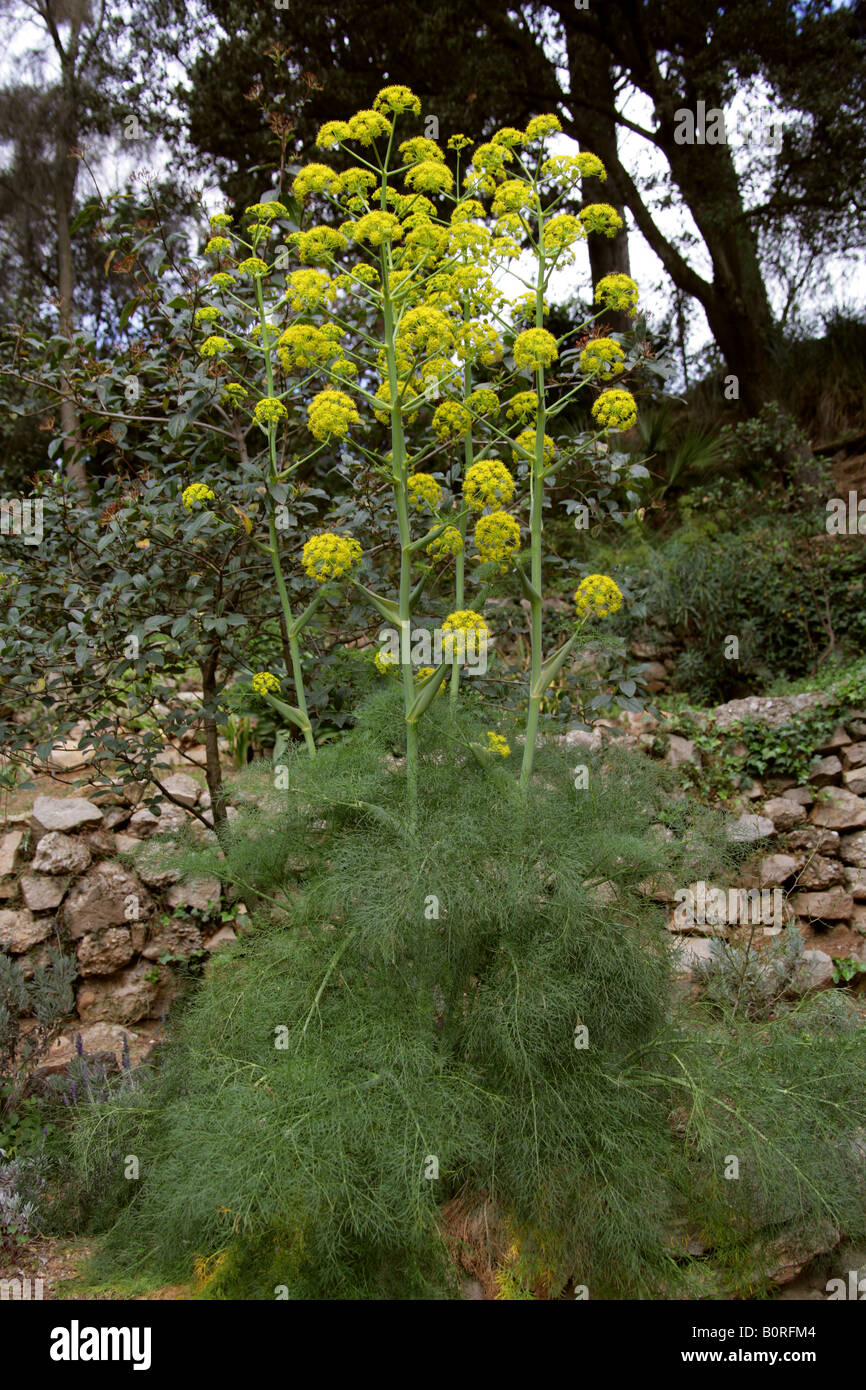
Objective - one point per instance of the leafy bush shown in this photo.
(789, 599)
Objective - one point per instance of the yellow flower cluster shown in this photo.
(367, 126)
(376, 227)
(568, 169)
(303, 345)
(266, 212)
(561, 233)
(421, 332)
(424, 491)
(222, 280)
(314, 178)
(451, 420)
(307, 289)
(526, 441)
(233, 392)
(430, 177)
(597, 596)
(497, 539)
(196, 492)
(207, 314)
(488, 483)
(221, 219)
(523, 406)
(497, 744)
(618, 292)
(462, 631)
(329, 556)
(318, 245)
(601, 217)
(541, 127)
(213, 346)
(615, 410)
(385, 663)
(217, 245)
(397, 99)
(479, 342)
(253, 266)
(445, 545)
(483, 402)
(535, 348)
(265, 683)
(330, 414)
(269, 411)
(602, 357)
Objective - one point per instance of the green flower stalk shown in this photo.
(268, 413)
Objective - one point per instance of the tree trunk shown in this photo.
(736, 305)
(213, 766)
(69, 422)
(590, 74)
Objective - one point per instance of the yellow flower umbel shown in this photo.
(265, 683)
(330, 414)
(385, 664)
(213, 346)
(253, 266)
(617, 292)
(303, 345)
(329, 556)
(484, 402)
(446, 545)
(523, 406)
(602, 357)
(597, 596)
(195, 493)
(615, 410)
(424, 491)
(397, 99)
(451, 421)
(535, 348)
(488, 484)
(269, 411)
(497, 538)
(266, 212)
(307, 289)
(464, 631)
(497, 744)
(601, 217)
(525, 443)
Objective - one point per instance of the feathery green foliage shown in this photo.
(399, 1003)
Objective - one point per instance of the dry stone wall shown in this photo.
(62, 884)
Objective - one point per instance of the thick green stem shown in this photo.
(273, 541)
(399, 471)
(536, 504)
(460, 566)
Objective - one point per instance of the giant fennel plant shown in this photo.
(452, 1014)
